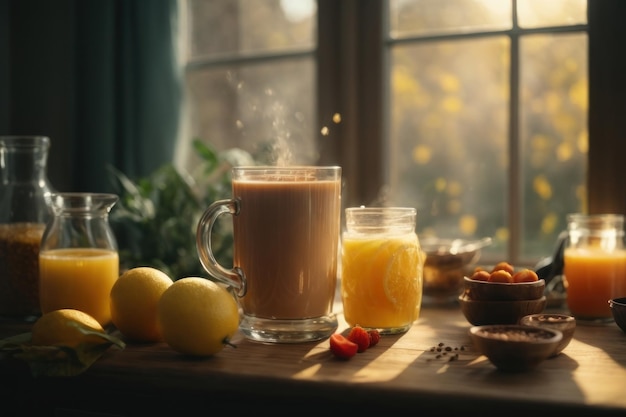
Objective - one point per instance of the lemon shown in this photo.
(62, 328)
(197, 316)
(134, 299)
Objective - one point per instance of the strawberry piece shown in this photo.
(342, 347)
(359, 336)
(374, 337)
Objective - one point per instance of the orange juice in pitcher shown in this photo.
(78, 258)
(79, 278)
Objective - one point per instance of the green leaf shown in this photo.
(61, 361)
(156, 217)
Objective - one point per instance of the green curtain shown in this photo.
(127, 86)
(100, 77)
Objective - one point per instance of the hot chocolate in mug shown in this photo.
(286, 230)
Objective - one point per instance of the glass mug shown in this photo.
(594, 267)
(382, 268)
(286, 224)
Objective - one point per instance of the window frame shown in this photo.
(352, 66)
(358, 143)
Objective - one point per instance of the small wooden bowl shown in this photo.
(515, 348)
(564, 323)
(502, 291)
(618, 309)
(480, 312)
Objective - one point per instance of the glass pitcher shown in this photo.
(78, 258)
(24, 211)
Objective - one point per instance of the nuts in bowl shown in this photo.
(501, 295)
(502, 285)
(564, 323)
(515, 348)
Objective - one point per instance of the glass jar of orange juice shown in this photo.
(594, 266)
(78, 257)
(381, 268)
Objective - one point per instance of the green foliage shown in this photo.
(156, 217)
(59, 361)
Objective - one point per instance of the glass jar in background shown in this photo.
(78, 259)
(381, 268)
(24, 211)
(594, 265)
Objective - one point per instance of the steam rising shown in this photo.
(272, 129)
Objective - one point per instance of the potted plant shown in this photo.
(156, 217)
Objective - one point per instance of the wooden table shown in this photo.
(401, 373)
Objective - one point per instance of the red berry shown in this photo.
(359, 336)
(342, 347)
(374, 337)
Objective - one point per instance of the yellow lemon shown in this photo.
(197, 316)
(62, 328)
(134, 299)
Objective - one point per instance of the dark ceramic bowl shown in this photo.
(502, 291)
(618, 308)
(564, 323)
(479, 312)
(515, 348)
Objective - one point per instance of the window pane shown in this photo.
(227, 26)
(429, 17)
(265, 109)
(449, 127)
(537, 13)
(553, 123)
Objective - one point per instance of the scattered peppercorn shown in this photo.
(441, 350)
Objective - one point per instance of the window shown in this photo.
(251, 78)
(488, 129)
(472, 111)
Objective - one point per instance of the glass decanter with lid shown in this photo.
(24, 211)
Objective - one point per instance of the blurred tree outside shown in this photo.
(473, 128)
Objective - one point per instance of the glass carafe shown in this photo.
(24, 212)
(78, 259)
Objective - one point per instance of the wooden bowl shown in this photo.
(479, 312)
(515, 348)
(618, 309)
(502, 291)
(564, 323)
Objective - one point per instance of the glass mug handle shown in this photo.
(234, 277)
